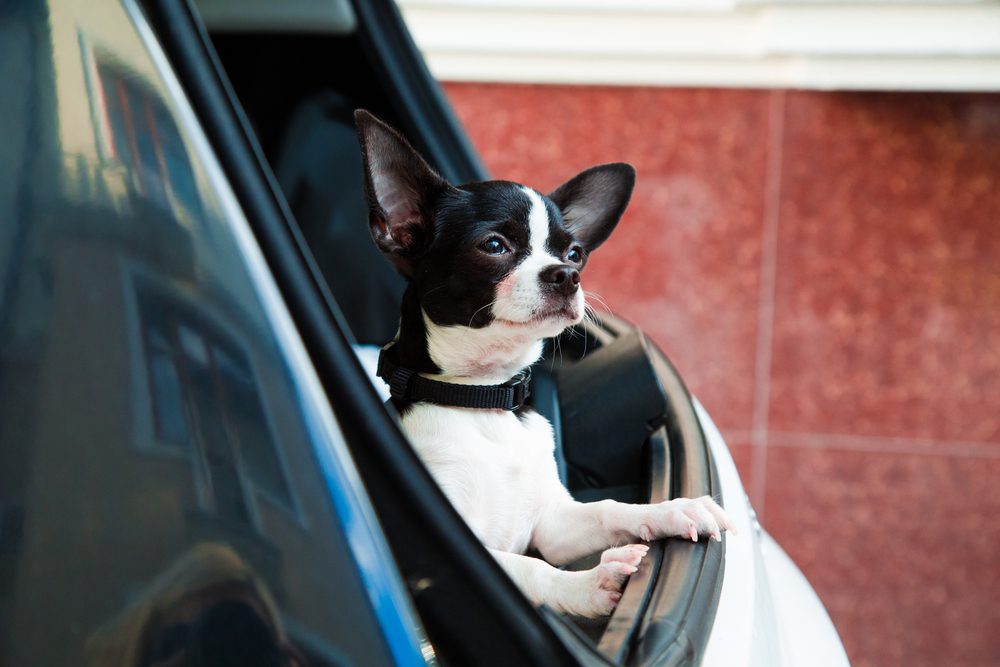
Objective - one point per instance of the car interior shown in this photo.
(299, 69)
(302, 116)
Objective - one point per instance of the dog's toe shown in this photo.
(630, 553)
(612, 576)
(608, 581)
(689, 519)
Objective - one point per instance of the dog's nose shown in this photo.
(563, 278)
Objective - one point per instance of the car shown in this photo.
(196, 467)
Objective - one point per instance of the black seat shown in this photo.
(545, 400)
(319, 169)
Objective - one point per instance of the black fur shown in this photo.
(594, 200)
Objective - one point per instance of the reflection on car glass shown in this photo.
(160, 484)
(207, 608)
(205, 401)
(141, 135)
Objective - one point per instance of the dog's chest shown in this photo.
(496, 468)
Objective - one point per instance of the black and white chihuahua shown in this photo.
(493, 269)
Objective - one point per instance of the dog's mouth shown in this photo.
(567, 313)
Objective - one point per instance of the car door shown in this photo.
(174, 488)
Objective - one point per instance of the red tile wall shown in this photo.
(824, 269)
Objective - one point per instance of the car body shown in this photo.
(195, 466)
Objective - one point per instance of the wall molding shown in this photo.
(818, 44)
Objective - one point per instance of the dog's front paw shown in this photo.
(687, 518)
(601, 587)
(605, 585)
(632, 554)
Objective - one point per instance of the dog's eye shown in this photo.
(493, 246)
(574, 255)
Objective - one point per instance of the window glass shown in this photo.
(169, 485)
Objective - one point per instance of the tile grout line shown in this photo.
(878, 444)
(765, 302)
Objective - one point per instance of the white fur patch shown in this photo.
(538, 224)
(496, 469)
(520, 296)
(490, 355)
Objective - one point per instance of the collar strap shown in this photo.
(407, 385)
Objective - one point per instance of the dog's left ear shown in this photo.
(401, 188)
(593, 201)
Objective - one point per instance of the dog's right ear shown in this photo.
(399, 185)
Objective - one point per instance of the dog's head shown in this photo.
(494, 265)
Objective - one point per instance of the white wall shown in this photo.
(821, 44)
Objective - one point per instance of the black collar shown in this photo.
(407, 385)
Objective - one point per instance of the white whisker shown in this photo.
(598, 298)
(435, 289)
(478, 311)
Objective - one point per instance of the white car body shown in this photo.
(768, 614)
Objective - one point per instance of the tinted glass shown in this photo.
(169, 489)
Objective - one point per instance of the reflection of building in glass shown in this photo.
(145, 407)
(205, 403)
(143, 137)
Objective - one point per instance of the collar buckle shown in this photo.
(521, 384)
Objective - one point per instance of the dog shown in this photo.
(493, 269)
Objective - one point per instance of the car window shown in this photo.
(173, 488)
